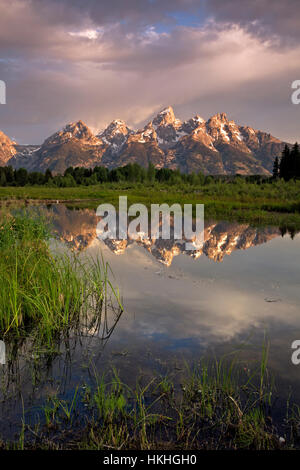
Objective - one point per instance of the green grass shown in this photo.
(216, 405)
(41, 293)
(280, 191)
(276, 203)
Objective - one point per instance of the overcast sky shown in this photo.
(97, 60)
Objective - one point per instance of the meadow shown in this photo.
(267, 203)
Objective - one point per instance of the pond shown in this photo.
(239, 290)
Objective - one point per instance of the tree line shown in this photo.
(21, 177)
(288, 165)
(132, 173)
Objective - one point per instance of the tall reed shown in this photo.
(44, 292)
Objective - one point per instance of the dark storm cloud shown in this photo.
(266, 16)
(99, 60)
(126, 11)
(281, 17)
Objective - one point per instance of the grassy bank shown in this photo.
(217, 405)
(276, 203)
(40, 292)
(238, 190)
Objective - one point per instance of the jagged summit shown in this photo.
(115, 135)
(192, 123)
(198, 119)
(222, 117)
(117, 126)
(168, 110)
(215, 146)
(79, 130)
(164, 117)
(73, 130)
(76, 124)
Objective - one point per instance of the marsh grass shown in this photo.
(44, 293)
(276, 203)
(217, 404)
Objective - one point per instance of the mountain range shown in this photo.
(216, 146)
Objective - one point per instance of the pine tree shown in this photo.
(21, 176)
(276, 168)
(284, 163)
(151, 173)
(2, 177)
(295, 153)
(290, 163)
(48, 175)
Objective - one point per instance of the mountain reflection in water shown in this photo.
(77, 228)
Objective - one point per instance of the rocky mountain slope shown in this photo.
(7, 149)
(216, 146)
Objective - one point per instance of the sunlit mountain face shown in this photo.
(77, 228)
(216, 146)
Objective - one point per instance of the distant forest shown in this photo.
(286, 167)
(131, 173)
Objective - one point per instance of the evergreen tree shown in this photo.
(69, 171)
(21, 176)
(36, 178)
(102, 173)
(2, 177)
(290, 163)
(276, 168)
(115, 175)
(10, 175)
(151, 173)
(284, 163)
(295, 161)
(48, 175)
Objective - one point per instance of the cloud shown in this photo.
(64, 61)
(265, 17)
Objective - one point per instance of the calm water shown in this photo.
(242, 285)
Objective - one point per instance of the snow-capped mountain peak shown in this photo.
(115, 134)
(215, 146)
(165, 117)
(73, 130)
